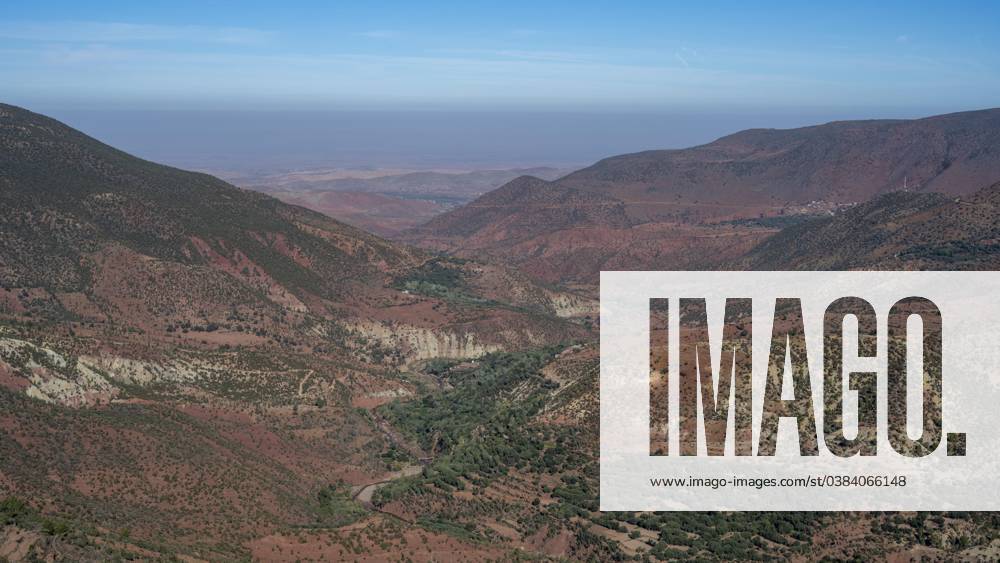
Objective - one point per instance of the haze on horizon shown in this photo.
(206, 85)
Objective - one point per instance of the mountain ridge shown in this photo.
(79, 214)
(681, 206)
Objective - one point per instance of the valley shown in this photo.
(341, 281)
(195, 371)
(383, 201)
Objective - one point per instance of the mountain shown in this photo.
(534, 462)
(70, 200)
(842, 162)
(703, 206)
(93, 233)
(550, 209)
(896, 231)
(187, 367)
(191, 371)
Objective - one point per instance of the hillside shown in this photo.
(67, 194)
(260, 381)
(93, 233)
(840, 162)
(530, 472)
(186, 367)
(704, 206)
(897, 231)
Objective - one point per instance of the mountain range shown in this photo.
(707, 205)
(189, 370)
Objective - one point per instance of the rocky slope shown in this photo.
(897, 231)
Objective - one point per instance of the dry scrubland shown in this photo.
(193, 371)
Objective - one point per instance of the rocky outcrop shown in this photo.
(139, 372)
(417, 343)
(47, 375)
(568, 305)
(52, 377)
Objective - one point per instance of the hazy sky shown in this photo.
(614, 54)
(749, 59)
(268, 141)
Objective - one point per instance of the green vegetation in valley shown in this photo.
(336, 507)
(488, 430)
(501, 394)
(443, 279)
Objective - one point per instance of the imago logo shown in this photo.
(799, 391)
(731, 388)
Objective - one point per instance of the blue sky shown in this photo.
(616, 56)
